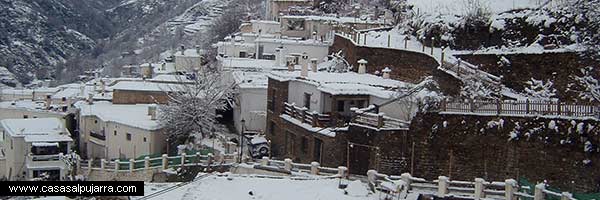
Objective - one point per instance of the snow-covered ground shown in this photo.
(457, 7)
(215, 187)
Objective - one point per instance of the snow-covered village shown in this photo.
(303, 99)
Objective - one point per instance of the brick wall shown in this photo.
(139, 97)
(274, 130)
(468, 148)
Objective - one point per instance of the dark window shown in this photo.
(318, 146)
(95, 121)
(115, 132)
(34, 117)
(25, 116)
(64, 99)
(340, 106)
(242, 54)
(304, 145)
(128, 136)
(307, 100)
(144, 139)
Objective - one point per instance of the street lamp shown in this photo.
(242, 140)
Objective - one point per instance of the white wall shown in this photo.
(404, 109)
(296, 95)
(317, 51)
(19, 113)
(252, 108)
(269, 27)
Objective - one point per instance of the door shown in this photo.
(359, 158)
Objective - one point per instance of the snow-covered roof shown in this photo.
(345, 83)
(190, 53)
(12, 91)
(344, 20)
(131, 115)
(37, 130)
(251, 79)
(283, 41)
(249, 63)
(265, 188)
(170, 78)
(36, 106)
(145, 86)
(457, 7)
(264, 22)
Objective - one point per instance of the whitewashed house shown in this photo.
(114, 131)
(34, 148)
(269, 47)
(250, 101)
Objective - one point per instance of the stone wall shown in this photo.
(139, 97)
(406, 66)
(385, 151)
(557, 67)
(277, 91)
(466, 147)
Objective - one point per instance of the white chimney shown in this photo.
(313, 64)
(152, 111)
(290, 63)
(278, 56)
(386, 73)
(90, 99)
(304, 72)
(362, 66)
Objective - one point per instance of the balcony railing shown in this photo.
(97, 135)
(378, 120)
(40, 161)
(313, 118)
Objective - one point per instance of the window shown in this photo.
(128, 136)
(242, 54)
(341, 106)
(95, 121)
(114, 132)
(25, 116)
(318, 146)
(307, 100)
(361, 103)
(304, 145)
(11, 143)
(144, 139)
(64, 99)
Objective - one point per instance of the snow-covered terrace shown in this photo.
(146, 86)
(250, 79)
(45, 129)
(342, 20)
(130, 115)
(349, 83)
(249, 64)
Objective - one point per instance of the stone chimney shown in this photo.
(313, 64)
(152, 111)
(362, 66)
(314, 36)
(386, 73)
(304, 72)
(290, 63)
(90, 99)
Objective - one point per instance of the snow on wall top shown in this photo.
(45, 129)
(350, 83)
(145, 86)
(457, 7)
(238, 187)
(248, 80)
(343, 20)
(249, 63)
(130, 115)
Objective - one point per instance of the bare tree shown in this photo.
(191, 110)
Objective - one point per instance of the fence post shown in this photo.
(183, 159)
(103, 164)
(146, 163)
(342, 171)
(287, 164)
(558, 108)
(509, 187)
(358, 38)
(444, 104)
(442, 186)
(380, 122)
(527, 106)
(498, 107)
(264, 161)
(405, 43)
(432, 44)
(442, 58)
(131, 164)
(479, 188)
(365, 39)
(165, 161)
(389, 40)
(198, 157)
(315, 119)
(303, 114)
(566, 196)
(471, 107)
(372, 177)
(314, 168)
(210, 158)
(539, 192)
(406, 177)
(78, 164)
(458, 67)
(117, 165)
(90, 161)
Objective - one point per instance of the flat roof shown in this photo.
(37, 129)
(135, 115)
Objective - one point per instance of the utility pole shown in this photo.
(242, 140)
